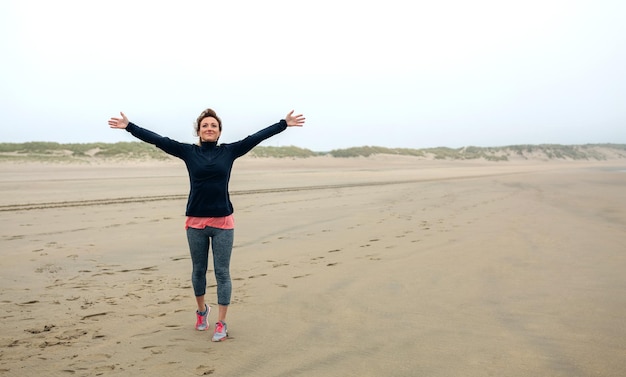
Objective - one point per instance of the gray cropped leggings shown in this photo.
(199, 242)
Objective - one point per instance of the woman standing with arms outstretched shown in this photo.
(209, 210)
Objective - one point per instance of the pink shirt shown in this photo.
(227, 222)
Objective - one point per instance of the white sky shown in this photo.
(391, 73)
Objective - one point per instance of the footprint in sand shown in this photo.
(155, 350)
(93, 315)
(71, 334)
(280, 265)
(39, 331)
(86, 304)
(149, 268)
(28, 302)
(204, 370)
(50, 268)
(256, 276)
(105, 368)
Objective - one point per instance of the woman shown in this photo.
(209, 210)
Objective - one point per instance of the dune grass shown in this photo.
(85, 152)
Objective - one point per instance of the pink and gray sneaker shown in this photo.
(221, 332)
(201, 318)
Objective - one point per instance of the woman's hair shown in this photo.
(204, 114)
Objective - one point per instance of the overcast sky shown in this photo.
(390, 73)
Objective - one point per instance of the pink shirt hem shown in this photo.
(227, 222)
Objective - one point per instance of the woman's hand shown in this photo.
(294, 120)
(119, 122)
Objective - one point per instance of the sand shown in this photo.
(381, 266)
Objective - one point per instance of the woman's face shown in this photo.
(209, 129)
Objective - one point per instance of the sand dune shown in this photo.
(362, 267)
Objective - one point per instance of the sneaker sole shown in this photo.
(220, 339)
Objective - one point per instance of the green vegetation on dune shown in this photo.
(131, 149)
(367, 151)
(281, 152)
(87, 152)
(506, 153)
(51, 151)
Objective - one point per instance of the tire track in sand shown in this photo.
(153, 198)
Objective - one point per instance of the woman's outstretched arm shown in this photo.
(166, 144)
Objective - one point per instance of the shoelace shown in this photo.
(200, 319)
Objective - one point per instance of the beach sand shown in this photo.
(380, 266)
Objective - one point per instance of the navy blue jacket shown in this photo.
(209, 166)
